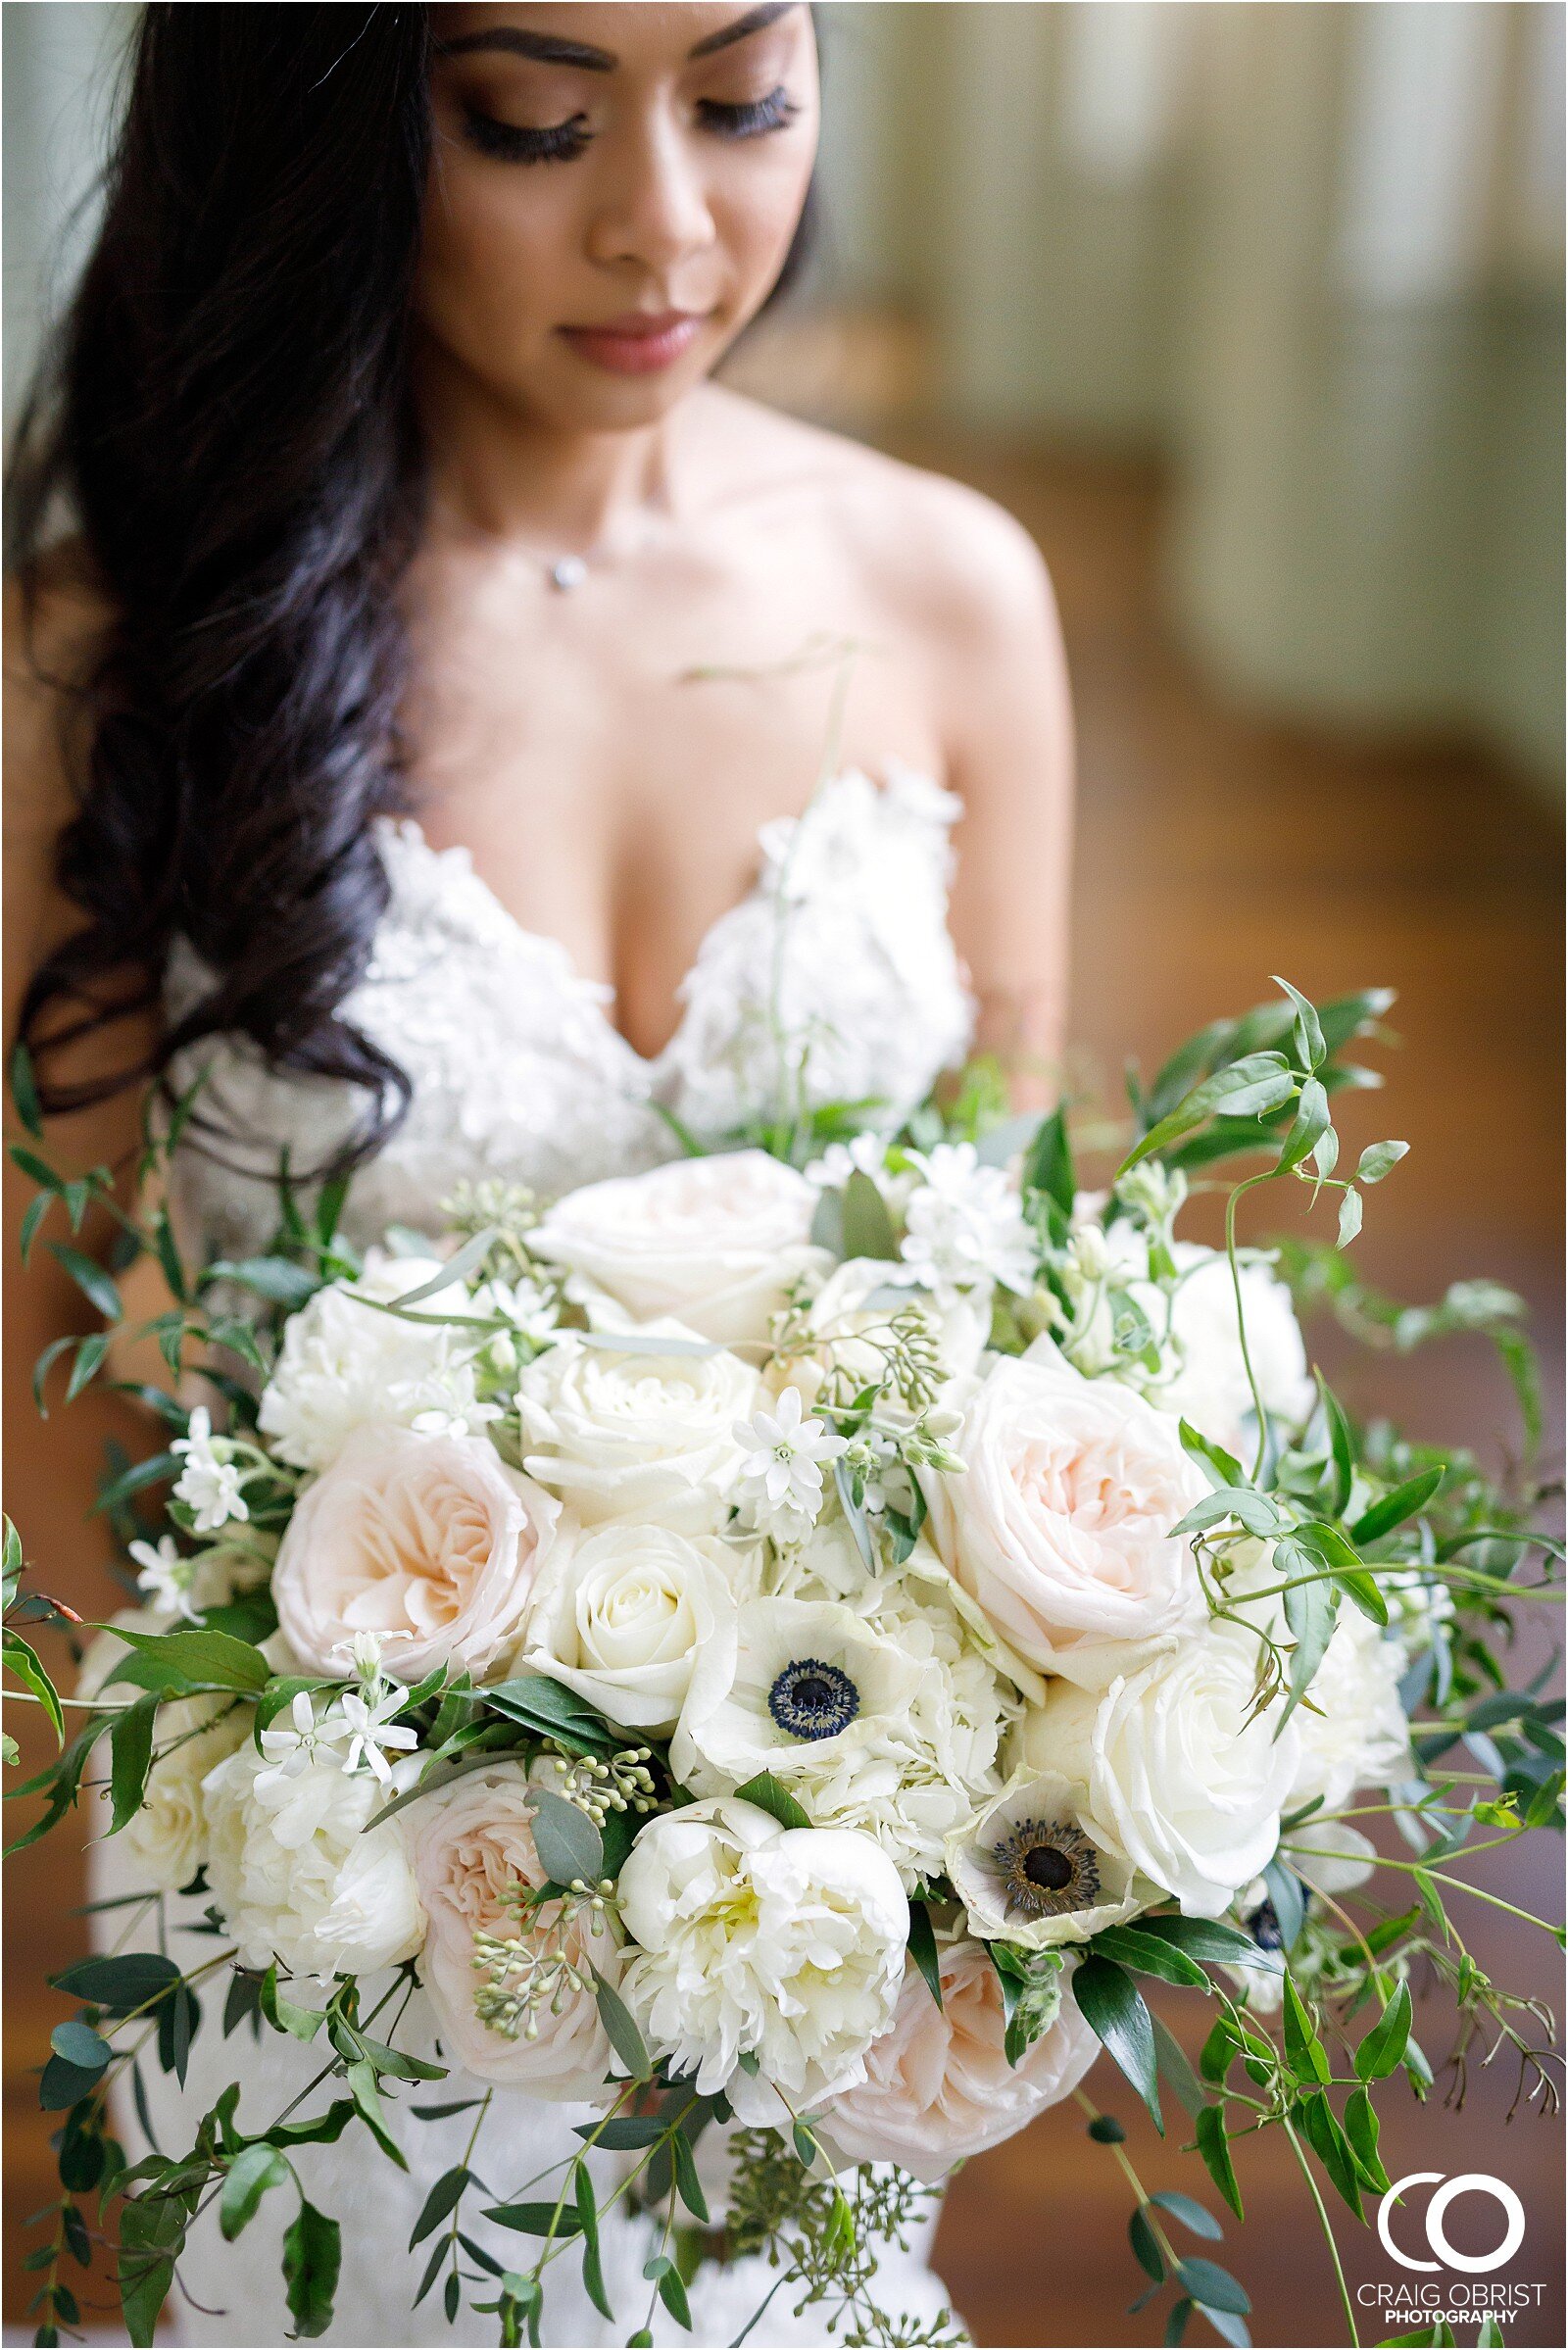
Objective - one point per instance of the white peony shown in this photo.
(1061, 1526)
(474, 1853)
(1186, 1778)
(624, 1616)
(964, 1225)
(637, 1435)
(295, 1877)
(429, 1540)
(1207, 1385)
(714, 1242)
(1352, 1730)
(784, 1944)
(1030, 1870)
(169, 1833)
(344, 1363)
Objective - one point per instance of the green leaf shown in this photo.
(440, 2203)
(553, 1711)
(769, 1795)
(1177, 2071)
(313, 2255)
(300, 2023)
(1382, 2052)
(1222, 1469)
(1145, 2250)
(569, 1846)
(1320, 2127)
(1349, 1215)
(1361, 2129)
(126, 1984)
(923, 1948)
(1311, 1608)
(1342, 1443)
(1212, 1940)
(1394, 1508)
(1329, 1547)
(130, 1746)
(1247, 1088)
(251, 2173)
(213, 1658)
(1305, 2051)
(81, 2046)
(1049, 1166)
(1306, 1028)
(1191, 2212)
(1149, 1955)
(624, 2134)
(1308, 1129)
(686, 2179)
(621, 2030)
(537, 2219)
(95, 1284)
(1377, 1159)
(64, 2085)
(1213, 2287)
(868, 1226)
(275, 1277)
(588, 2219)
(662, 2272)
(25, 1090)
(25, 1663)
(1112, 2006)
(1214, 2144)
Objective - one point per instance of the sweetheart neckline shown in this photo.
(604, 995)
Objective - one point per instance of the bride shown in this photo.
(485, 745)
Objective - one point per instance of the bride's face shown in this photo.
(612, 193)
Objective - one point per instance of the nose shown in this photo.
(654, 208)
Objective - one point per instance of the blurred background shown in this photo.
(1254, 315)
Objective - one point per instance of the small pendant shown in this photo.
(569, 573)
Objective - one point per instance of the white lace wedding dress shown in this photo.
(838, 963)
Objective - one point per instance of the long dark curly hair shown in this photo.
(226, 421)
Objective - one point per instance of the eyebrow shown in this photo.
(548, 48)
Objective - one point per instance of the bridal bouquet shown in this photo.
(790, 1641)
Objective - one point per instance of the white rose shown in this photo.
(1186, 1778)
(295, 1878)
(169, 1833)
(938, 2086)
(786, 1945)
(624, 1615)
(714, 1242)
(473, 1852)
(344, 1363)
(1061, 1526)
(1352, 1730)
(1209, 1386)
(431, 1541)
(637, 1435)
(1029, 1869)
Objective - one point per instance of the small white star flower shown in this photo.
(166, 1578)
(781, 1471)
(209, 1481)
(368, 1717)
(965, 1225)
(292, 1746)
(865, 1154)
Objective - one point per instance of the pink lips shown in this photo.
(638, 343)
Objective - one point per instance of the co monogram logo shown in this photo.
(1468, 2182)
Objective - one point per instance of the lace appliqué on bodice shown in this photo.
(835, 979)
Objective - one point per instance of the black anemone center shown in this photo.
(814, 1701)
(1048, 1868)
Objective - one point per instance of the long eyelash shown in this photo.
(750, 120)
(513, 144)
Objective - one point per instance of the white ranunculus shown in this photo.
(624, 1615)
(430, 1541)
(473, 1852)
(938, 2086)
(169, 1833)
(713, 1242)
(637, 1435)
(1061, 1526)
(295, 1878)
(1353, 1732)
(1209, 1386)
(344, 1363)
(1186, 1779)
(785, 1944)
(1029, 1869)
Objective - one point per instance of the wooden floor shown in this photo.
(1212, 852)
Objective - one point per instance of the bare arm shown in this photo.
(53, 1465)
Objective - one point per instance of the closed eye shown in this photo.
(518, 143)
(748, 119)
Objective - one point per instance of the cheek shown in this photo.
(493, 248)
(755, 208)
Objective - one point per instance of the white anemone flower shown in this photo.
(1029, 1871)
